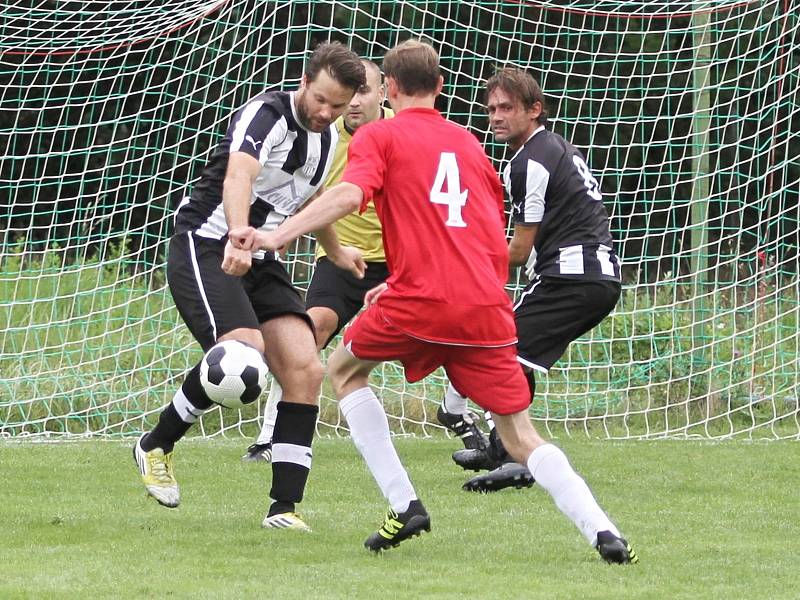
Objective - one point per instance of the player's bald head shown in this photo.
(374, 75)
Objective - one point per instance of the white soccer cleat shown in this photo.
(157, 475)
(288, 520)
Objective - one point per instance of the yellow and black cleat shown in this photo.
(615, 550)
(398, 527)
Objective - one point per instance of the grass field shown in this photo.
(708, 521)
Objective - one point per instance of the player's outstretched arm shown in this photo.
(335, 203)
(344, 257)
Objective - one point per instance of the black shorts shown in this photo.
(551, 313)
(339, 290)
(212, 303)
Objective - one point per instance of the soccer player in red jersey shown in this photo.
(440, 203)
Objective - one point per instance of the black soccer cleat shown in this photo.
(464, 426)
(475, 460)
(509, 474)
(258, 453)
(615, 550)
(398, 527)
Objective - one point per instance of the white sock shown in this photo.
(551, 469)
(453, 402)
(369, 429)
(270, 413)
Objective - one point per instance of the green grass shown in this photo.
(708, 521)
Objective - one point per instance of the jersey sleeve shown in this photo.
(366, 163)
(256, 130)
(528, 185)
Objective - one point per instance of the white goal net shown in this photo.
(688, 113)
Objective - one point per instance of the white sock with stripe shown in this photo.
(270, 413)
(551, 469)
(369, 429)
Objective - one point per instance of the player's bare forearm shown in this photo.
(521, 244)
(237, 189)
(344, 257)
(329, 240)
(335, 203)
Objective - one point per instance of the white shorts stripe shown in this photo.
(292, 453)
(531, 365)
(200, 287)
(526, 293)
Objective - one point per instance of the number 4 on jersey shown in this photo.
(453, 198)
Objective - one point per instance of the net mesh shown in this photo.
(688, 113)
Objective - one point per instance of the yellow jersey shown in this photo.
(363, 231)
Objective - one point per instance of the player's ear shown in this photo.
(536, 110)
(439, 85)
(391, 87)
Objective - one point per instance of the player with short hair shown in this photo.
(273, 158)
(441, 206)
(562, 238)
(335, 295)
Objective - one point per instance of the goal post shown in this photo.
(687, 112)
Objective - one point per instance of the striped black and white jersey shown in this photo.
(294, 164)
(549, 183)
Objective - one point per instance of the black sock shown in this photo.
(291, 454)
(496, 449)
(171, 426)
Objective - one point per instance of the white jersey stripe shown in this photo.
(537, 181)
(240, 129)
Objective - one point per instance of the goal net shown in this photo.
(688, 113)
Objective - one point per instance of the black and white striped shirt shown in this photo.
(549, 183)
(294, 164)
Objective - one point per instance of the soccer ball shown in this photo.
(233, 374)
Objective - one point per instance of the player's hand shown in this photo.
(247, 238)
(243, 238)
(350, 259)
(235, 260)
(371, 297)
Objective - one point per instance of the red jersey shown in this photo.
(440, 203)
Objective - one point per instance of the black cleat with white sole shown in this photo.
(509, 474)
(258, 453)
(464, 426)
(476, 460)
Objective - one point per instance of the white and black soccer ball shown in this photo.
(233, 374)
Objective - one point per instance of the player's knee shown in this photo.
(251, 337)
(341, 371)
(326, 322)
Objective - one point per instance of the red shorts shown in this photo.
(490, 377)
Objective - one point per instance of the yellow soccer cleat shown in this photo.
(287, 520)
(157, 474)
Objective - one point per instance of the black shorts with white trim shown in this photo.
(213, 303)
(551, 313)
(340, 291)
